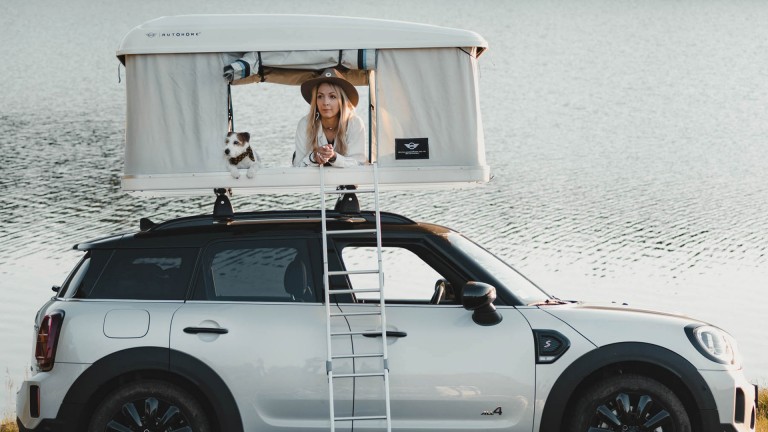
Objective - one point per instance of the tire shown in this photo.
(628, 403)
(149, 406)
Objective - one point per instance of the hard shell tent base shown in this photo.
(301, 180)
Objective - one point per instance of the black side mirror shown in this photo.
(479, 297)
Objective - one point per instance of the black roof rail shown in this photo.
(275, 216)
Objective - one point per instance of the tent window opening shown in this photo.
(270, 113)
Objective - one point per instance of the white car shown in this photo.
(195, 325)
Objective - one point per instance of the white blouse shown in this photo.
(355, 139)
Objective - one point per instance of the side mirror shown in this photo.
(479, 297)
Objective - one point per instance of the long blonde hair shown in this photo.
(346, 110)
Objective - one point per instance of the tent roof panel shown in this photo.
(241, 33)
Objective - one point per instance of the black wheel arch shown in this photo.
(650, 360)
(157, 363)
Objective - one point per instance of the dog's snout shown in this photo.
(226, 151)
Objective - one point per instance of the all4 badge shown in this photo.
(494, 412)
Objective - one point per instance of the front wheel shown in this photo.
(628, 403)
(149, 406)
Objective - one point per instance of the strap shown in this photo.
(261, 67)
(230, 112)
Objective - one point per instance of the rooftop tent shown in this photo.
(421, 133)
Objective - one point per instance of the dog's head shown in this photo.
(236, 143)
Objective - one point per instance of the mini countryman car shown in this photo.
(207, 323)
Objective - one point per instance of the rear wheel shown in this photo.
(149, 406)
(628, 403)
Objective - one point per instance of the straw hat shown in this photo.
(332, 76)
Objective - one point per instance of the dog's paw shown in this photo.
(251, 172)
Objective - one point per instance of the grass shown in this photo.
(8, 421)
(9, 425)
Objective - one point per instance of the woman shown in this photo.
(331, 134)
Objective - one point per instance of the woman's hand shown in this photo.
(324, 154)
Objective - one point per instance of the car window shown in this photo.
(522, 288)
(257, 270)
(406, 276)
(144, 274)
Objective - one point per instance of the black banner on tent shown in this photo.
(411, 148)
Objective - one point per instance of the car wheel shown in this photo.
(149, 406)
(628, 403)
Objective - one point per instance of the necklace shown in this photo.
(332, 128)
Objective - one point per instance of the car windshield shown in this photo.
(517, 284)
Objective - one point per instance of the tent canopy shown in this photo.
(178, 70)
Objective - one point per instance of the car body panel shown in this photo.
(722, 384)
(276, 372)
(634, 325)
(53, 386)
(448, 372)
(547, 374)
(83, 340)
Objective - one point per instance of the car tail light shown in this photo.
(48, 339)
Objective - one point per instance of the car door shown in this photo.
(446, 371)
(255, 318)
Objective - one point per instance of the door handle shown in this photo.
(214, 330)
(390, 333)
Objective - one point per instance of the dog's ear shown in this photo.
(244, 136)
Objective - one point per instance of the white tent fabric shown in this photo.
(424, 122)
(428, 97)
(176, 113)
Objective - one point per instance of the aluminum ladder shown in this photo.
(384, 372)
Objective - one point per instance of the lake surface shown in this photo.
(627, 142)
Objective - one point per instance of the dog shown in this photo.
(239, 154)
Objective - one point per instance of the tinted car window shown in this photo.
(144, 274)
(257, 270)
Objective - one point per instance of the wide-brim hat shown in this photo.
(332, 76)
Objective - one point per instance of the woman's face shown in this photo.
(328, 101)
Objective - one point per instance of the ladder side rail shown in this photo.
(382, 302)
(327, 288)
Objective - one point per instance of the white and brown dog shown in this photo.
(239, 154)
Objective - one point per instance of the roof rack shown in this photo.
(278, 216)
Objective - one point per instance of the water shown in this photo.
(626, 141)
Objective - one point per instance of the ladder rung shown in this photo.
(350, 191)
(360, 418)
(357, 375)
(358, 290)
(352, 272)
(341, 356)
(338, 314)
(348, 333)
(352, 231)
